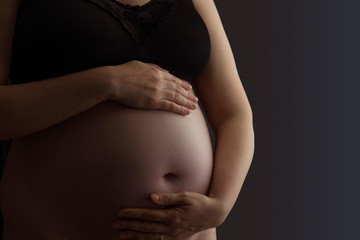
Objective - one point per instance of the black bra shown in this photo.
(54, 38)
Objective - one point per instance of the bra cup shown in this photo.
(94, 33)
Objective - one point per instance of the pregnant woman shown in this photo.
(108, 140)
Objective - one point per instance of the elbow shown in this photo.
(241, 117)
(245, 112)
(244, 115)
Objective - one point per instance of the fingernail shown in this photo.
(156, 197)
(193, 106)
(196, 99)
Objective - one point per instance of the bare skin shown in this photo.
(60, 100)
(105, 159)
(229, 112)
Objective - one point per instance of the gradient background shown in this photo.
(299, 63)
(298, 60)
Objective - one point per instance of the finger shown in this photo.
(156, 215)
(139, 225)
(187, 86)
(179, 89)
(179, 99)
(142, 236)
(167, 105)
(171, 199)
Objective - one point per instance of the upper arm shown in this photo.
(219, 87)
(8, 11)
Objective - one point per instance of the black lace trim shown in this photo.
(139, 21)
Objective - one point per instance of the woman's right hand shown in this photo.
(146, 85)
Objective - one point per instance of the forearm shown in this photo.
(233, 157)
(30, 107)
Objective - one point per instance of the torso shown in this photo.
(69, 181)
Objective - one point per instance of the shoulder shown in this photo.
(220, 79)
(208, 12)
(203, 5)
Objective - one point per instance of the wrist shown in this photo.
(221, 211)
(223, 206)
(105, 75)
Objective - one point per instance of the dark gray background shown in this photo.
(299, 62)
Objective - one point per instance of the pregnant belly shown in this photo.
(70, 180)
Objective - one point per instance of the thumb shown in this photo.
(170, 199)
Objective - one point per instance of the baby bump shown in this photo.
(73, 178)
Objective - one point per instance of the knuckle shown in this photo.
(189, 103)
(153, 88)
(185, 195)
(151, 101)
(157, 67)
(164, 105)
(172, 78)
(178, 88)
(177, 97)
(177, 221)
(182, 83)
(172, 107)
(155, 70)
(156, 78)
(190, 95)
(135, 63)
(183, 110)
(166, 198)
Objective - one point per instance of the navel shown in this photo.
(170, 176)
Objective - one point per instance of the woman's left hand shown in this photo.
(186, 213)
